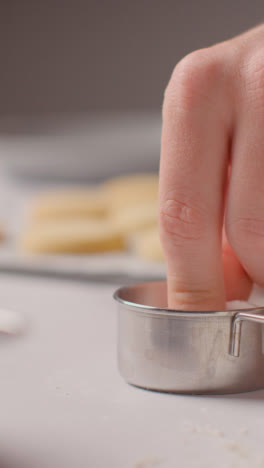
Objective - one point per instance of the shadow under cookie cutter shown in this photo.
(192, 352)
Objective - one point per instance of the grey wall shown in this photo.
(82, 55)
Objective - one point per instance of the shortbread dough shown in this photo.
(135, 218)
(72, 236)
(131, 189)
(70, 203)
(147, 245)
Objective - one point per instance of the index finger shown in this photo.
(193, 168)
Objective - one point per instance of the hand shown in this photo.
(212, 174)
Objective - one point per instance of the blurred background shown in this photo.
(90, 55)
(81, 82)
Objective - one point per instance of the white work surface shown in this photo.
(63, 403)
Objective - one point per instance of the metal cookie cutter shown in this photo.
(187, 352)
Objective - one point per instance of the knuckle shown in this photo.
(181, 221)
(191, 80)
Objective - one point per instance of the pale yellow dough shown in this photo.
(135, 218)
(70, 203)
(71, 236)
(131, 189)
(96, 220)
(147, 245)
